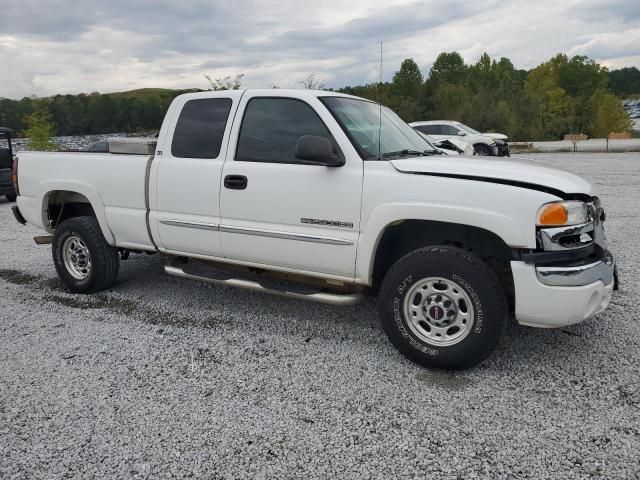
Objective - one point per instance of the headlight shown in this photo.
(563, 213)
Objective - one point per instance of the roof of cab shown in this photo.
(434, 122)
(269, 92)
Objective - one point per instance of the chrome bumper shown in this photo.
(578, 275)
(572, 239)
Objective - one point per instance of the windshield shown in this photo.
(468, 129)
(361, 121)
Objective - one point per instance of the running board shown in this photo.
(199, 271)
(43, 239)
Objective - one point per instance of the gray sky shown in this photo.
(72, 46)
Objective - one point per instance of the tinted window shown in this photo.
(200, 128)
(429, 129)
(272, 126)
(449, 130)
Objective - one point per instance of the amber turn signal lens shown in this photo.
(553, 214)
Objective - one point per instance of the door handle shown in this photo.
(235, 182)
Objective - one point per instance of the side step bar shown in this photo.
(198, 271)
(43, 239)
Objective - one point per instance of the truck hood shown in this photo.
(496, 136)
(525, 173)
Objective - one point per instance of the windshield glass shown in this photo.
(361, 120)
(468, 129)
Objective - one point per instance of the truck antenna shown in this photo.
(380, 108)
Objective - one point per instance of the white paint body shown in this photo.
(466, 147)
(369, 195)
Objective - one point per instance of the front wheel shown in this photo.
(482, 150)
(11, 197)
(443, 307)
(84, 260)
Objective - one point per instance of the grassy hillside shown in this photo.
(93, 113)
(141, 93)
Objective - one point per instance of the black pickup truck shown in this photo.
(6, 165)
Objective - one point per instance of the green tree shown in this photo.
(408, 81)
(552, 104)
(625, 82)
(449, 67)
(406, 91)
(580, 77)
(610, 116)
(451, 101)
(39, 130)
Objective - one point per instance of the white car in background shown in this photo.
(489, 144)
(449, 146)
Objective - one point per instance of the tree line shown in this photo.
(137, 110)
(558, 97)
(564, 95)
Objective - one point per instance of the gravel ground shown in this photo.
(162, 377)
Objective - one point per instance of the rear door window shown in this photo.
(429, 129)
(200, 128)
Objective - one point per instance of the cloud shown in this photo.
(66, 46)
(604, 10)
(611, 45)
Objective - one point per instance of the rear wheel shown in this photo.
(11, 197)
(84, 260)
(443, 307)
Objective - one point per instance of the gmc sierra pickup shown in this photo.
(321, 196)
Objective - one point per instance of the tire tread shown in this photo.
(104, 257)
(490, 276)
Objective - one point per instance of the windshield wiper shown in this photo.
(408, 151)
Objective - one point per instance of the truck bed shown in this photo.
(114, 183)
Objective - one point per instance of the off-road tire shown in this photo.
(11, 197)
(105, 261)
(473, 276)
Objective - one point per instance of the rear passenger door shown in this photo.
(185, 179)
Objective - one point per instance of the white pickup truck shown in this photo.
(328, 197)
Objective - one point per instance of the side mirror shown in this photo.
(317, 151)
(461, 133)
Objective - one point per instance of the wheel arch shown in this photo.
(482, 144)
(61, 202)
(400, 237)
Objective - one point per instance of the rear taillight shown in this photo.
(14, 176)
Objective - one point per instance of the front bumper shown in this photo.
(503, 149)
(552, 306)
(571, 279)
(579, 274)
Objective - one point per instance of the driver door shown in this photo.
(276, 210)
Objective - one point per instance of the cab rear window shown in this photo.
(200, 128)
